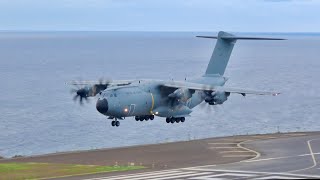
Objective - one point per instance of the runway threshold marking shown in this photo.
(143, 173)
(157, 176)
(206, 174)
(219, 176)
(154, 175)
(254, 172)
(186, 175)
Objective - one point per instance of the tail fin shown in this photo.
(222, 51)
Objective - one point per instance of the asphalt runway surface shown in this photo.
(272, 156)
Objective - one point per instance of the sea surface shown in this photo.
(38, 116)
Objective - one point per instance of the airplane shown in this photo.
(174, 100)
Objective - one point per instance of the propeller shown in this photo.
(102, 85)
(207, 96)
(82, 91)
(209, 108)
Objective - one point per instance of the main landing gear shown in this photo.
(175, 120)
(144, 118)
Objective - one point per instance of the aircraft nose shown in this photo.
(102, 106)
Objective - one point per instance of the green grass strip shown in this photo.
(17, 171)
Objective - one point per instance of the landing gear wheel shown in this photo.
(168, 120)
(137, 118)
(172, 120)
(151, 117)
(182, 119)
(113, 123)
(141, 119)
(117, 123)
(177, 120)
(146, 118)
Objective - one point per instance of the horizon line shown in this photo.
(163, 31)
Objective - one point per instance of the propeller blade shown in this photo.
(75, 97)
(73, 90)
(82, 90)
(208, 108)
(81, 100)
(202, 105)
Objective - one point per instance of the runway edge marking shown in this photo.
(312, 156)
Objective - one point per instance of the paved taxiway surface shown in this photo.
(293, 155)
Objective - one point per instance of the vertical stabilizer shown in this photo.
(222, 51)
(221, 54)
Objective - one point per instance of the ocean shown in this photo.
(38, 116)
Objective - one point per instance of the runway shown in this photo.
(293, 157)
(271, 156)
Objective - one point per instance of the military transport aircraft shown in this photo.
(173, 100)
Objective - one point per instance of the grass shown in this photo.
(17, 171)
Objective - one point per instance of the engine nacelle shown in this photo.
(183, 94)
(217, 97)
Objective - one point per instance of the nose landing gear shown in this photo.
(115, 123)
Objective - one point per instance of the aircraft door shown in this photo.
(131, 109)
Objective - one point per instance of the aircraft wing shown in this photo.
(205, 87)
(101, 82)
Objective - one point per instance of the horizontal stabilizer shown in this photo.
(239, 37)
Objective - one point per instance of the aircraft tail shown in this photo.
(222, 51)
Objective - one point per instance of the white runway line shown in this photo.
(225, 152)
(228, 147)
(312, 156)
(257, 153)
(186, 175)
(296, 134)
(162, 176)
(239, 155)
(276, 158)
(278, 177)
(198, 173)
(216, 176)
(222, 143)
(253, 172)
(138, 174)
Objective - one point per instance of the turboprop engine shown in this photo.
(218, 97)
(182, 94)
(179, 96)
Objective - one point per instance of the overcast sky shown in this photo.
(162, 15)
